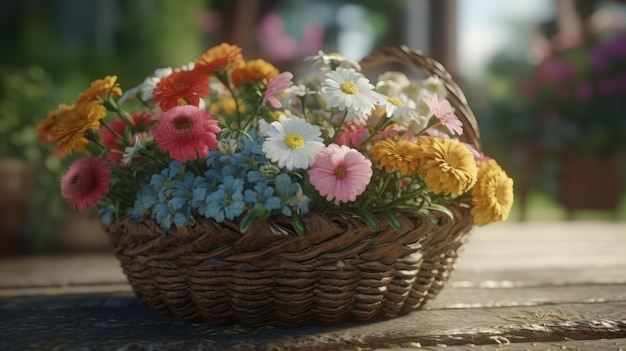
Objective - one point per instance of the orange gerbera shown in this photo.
(222, 56)
(100, 88)
(69, 132)
(396, 155)
(254, 71)
(181, 88)
(45, 128)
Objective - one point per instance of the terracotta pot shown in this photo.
(590, 183)
(16, 185)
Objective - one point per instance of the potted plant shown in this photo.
(577, 98)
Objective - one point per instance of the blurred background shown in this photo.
(545, 78)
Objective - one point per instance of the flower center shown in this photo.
(349, 88)
(395, 102)
(294, 141)
(181, 123)
(340, 172)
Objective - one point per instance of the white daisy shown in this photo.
(292, 142)
(331, 61)
(348, 89)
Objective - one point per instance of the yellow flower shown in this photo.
(492, 196)
(254, 71)
(448, 165)
(69, 131)
(226, 105)
(396, 155)
(100, 88)
(45, 128)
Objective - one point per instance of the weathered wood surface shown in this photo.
(529, 286)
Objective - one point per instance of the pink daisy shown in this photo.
(186, 131)
(351, 134)
(443, 111)
(340, 173)
(85, 182)
(277, 85)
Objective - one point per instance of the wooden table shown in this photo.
(517, 286)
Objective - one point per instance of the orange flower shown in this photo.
(181, 88)
(100, 88)
(69, 132)
(254, 71)
(223, 56)
(45, 129)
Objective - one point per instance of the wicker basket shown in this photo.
(341, 270)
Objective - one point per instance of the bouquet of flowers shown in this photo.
(235, 140)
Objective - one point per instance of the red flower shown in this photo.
(186, 132)
(181, 88)
(143, 123)
(85, 182)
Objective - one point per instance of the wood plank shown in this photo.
(504, 345)
(122, 323)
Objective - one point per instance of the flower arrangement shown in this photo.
(576, 96)
(236, 140)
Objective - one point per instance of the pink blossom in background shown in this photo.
(340, 173)
(313, 39)
(276, 43)
(86, 181)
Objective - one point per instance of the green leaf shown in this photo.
(365, 216)
(429, 217)
(392, 219)
(253, 213)
(297, 223)
(442, 209)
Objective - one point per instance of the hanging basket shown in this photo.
(340, 270)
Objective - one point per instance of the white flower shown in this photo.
(332, 61)
(348, 89)
(399, 107)
(435, 85)
(131, 151)
(292, 142)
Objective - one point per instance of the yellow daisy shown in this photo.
(100, 88)
(396, 155)
(492, 196)
(448, 165)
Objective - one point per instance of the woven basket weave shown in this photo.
(340, 270)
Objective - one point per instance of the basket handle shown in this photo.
(428, 66)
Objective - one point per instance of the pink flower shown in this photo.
(276, 86)
(340, 173)
(352, 134)
(443, 111)
(85, 182)
(186, 132)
